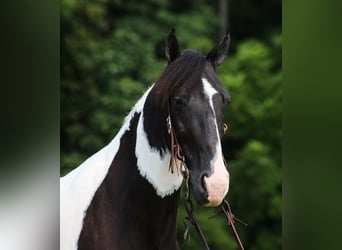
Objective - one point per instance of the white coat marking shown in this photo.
(218, 183)
(153, 167)
(209, 91)
(79, 186)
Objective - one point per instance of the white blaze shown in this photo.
(218, 183)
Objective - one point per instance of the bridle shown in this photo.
(177, 162)
(176, 152)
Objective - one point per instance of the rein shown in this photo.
(178, 157)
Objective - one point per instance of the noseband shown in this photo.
(178, 161)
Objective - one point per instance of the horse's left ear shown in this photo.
(172, 51)
(216, 56)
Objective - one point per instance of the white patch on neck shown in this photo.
(153, 167)
(78, 187)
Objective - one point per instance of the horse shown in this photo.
(125, 196)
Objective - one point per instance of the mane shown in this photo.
(182, 74)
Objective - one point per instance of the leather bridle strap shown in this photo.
(177, 156)
(230, 218)
(176, 152)
(191, 218)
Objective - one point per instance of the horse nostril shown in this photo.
(203, 185)
(202, 179)
(200, 188)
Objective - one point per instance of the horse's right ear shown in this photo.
(171, 46)
(216, 56)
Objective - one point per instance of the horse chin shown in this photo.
(214, 201)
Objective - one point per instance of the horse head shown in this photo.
(190, 94)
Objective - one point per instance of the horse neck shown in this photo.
(159, 186)
(138, 198)
(151, 191)
(149, 141)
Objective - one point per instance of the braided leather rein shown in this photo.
(178, 161)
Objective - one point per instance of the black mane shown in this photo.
(182, 74)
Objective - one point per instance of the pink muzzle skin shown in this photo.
(217, 184)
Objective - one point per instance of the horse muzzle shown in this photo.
(217, 184)
(210, 186)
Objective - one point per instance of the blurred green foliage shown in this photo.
(112, 50)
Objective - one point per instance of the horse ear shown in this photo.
(171, 46)
(216, 56)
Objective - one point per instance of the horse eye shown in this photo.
(178, 102)
(226, 100)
